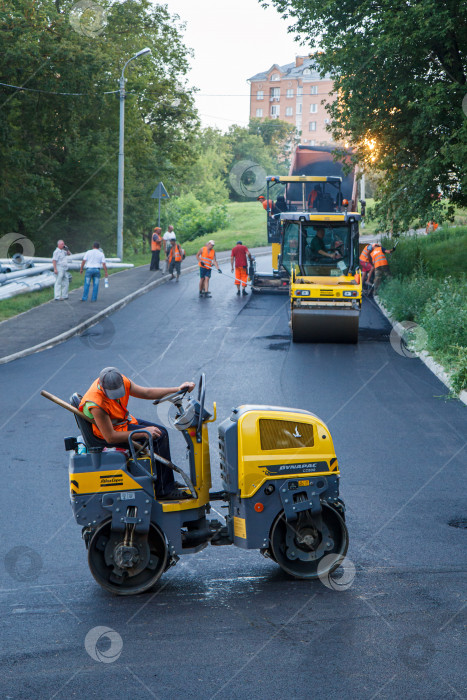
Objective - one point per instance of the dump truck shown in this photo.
(314, 232)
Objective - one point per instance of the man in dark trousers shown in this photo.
(156, 242)
(238, 257)
(105, 403)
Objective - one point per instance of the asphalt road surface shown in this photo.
(227, 623)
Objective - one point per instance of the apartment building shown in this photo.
(294, 93)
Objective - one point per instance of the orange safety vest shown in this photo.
(178, 253)
(365, 255)
(207, 258)
(115, 408)
(156, 241)
(378, 257)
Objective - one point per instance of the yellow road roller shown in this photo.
(318, 262)
(280, 489)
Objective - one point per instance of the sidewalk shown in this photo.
(55, 321)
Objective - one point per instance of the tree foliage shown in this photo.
(59, 153)
(399, 68)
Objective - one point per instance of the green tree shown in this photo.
(399, 68)
(280, 136)
(207, 177)
(59, 152)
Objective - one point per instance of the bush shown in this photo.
(459, 375)
(406, 299)
(191, 218)
(441, 253)
(445, 317)
(440, 309)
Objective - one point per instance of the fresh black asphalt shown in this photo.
(226, 623)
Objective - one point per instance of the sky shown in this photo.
(232, 40)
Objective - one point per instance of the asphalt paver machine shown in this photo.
(280, 489)
(317, 249)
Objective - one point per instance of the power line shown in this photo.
(49, 92)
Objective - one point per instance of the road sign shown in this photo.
(160, 193)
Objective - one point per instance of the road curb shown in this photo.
(76, 330)
(434, 367)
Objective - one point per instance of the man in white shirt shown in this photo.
(60, 263)
(93, 260)
(168, 237)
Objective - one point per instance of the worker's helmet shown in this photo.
(239, 243)
(261, 196)
(111, 382)
(370, 247)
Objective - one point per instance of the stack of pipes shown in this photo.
(19, 274)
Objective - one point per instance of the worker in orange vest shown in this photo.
(175, 256)
(381, 265)
(105, 403)
(239, 256)
(206, 258)
(268, 202)
(431, 227)
(366, 264)
(156, 242)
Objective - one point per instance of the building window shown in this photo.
(299, 108)
(312, 126)
(289, 111)
(290, 92)
(326, 121)
(312, 142)
(275, 94)
(314, 90)
(274, 110)
(306, 71)
(275, 76)
(260, 95)
(299, 91)
(259, 112)
(313, 109)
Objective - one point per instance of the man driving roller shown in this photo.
(317, 248)
(105, 402)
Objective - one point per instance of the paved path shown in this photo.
(45, 325)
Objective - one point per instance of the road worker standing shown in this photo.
(381, 265)
(366, 264)
(156, 243)
(175, 256)
(239, 256)
(206, 257)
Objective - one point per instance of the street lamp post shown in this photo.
(121, 162)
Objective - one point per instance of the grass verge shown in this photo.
(431, 289)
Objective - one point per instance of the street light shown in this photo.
(121, 164)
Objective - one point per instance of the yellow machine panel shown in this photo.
(284, 445)
(102, 482)
(202, 484)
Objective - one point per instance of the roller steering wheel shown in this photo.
(201, 398)
(173, 398)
